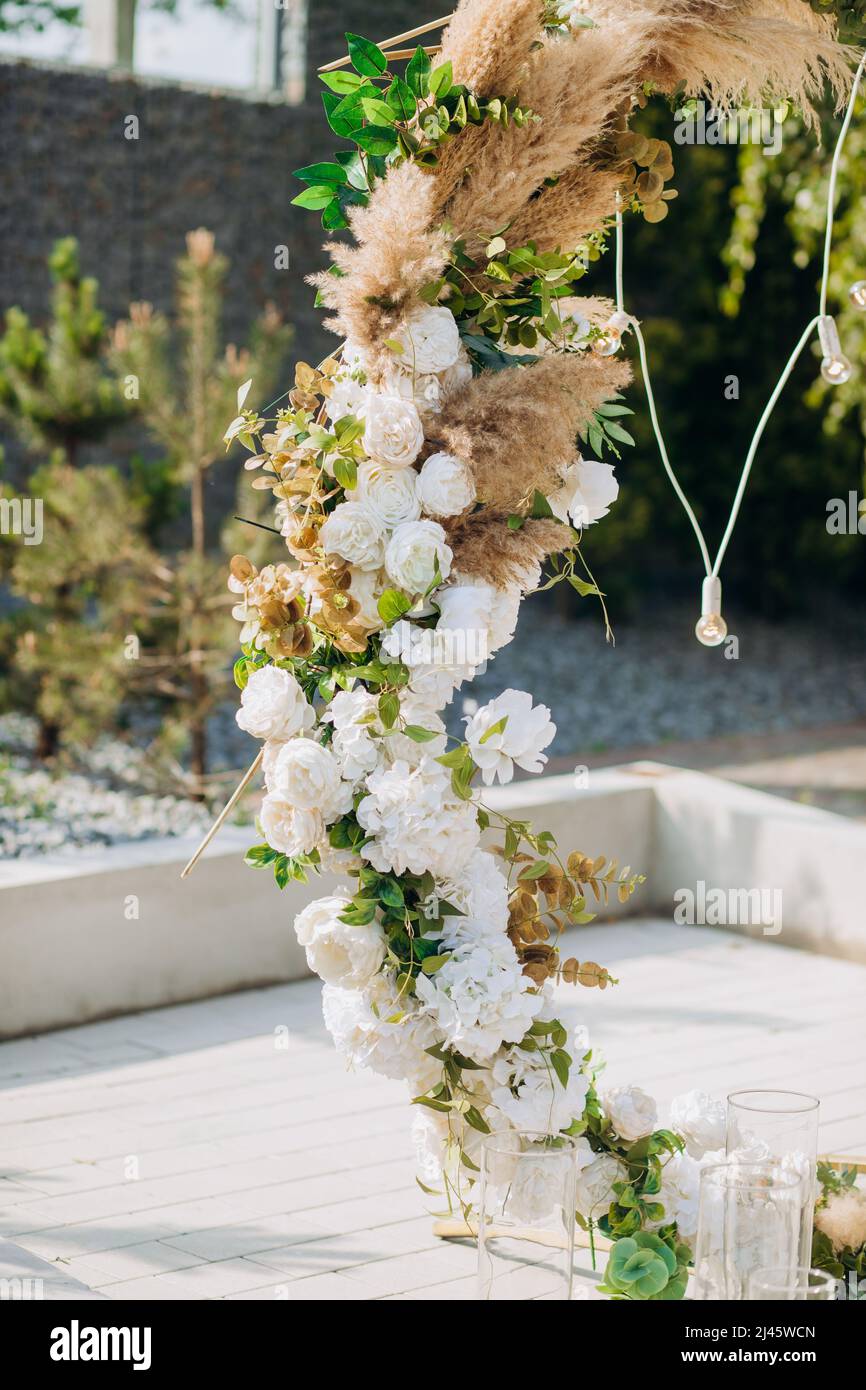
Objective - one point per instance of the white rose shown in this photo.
(341, 955)
(700, 1120)
(393, 435)
(454, 378)
(525, 730)
(446, 486)
(273, 705)
(425, 392)
(430, 339)
(390, 493)
(354, 533)
(631, 1111)
(308, 775)
(290, 829)
(595, 1185)
(416, 553)
(587, 494)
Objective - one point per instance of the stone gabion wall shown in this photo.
(200, 159)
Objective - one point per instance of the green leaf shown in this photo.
(533, 871)
(260, 856)
(343, 120)
(376, 139)
(419, 735)
(583, 588)
(433, 963)
(367, 58)
(378, 111)
(540, 506)
(497, 728)
(333, 217)
(360, 913)
(283, 871)
(561, 1063)
(356, 174)
(389, 708)
(441, 80)
(417, 72)
(345, 471)
(401, 100)
(321, 173)
(319, 196)
(342, 82)
(392, 605)
(472, 1116)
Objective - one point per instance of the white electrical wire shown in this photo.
(713, 569)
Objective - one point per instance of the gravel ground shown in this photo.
(656, 684)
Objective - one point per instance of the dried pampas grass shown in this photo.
(488, 43)
(485, 549)
(517, 428)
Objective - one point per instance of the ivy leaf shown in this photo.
(419, 735)
(319, 196)
(321, 173)
(433, 963)
(418, 71)
(392, 605)
(360, 913)
(260, 856)
(283, 872)
(497, 728)
(389, 708)
(441, 80)
(401, 100)
(367, 58)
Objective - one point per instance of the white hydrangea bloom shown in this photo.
(525, 730)
(273, 705)
(480, 893)
(354, 715)
(416, 821)
(480, 998)
(679, 1194)
(385, 1030)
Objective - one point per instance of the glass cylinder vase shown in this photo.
(526, 1217)
(781, 1126)
(799, 1285)
(750, 1217)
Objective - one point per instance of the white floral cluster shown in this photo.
(345, 761)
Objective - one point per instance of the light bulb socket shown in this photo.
(828, 336)
(711, 596)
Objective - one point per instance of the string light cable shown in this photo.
(711, 628)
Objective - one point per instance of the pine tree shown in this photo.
(80, 589)
(184, 386)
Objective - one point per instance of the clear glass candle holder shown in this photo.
(750, 1217)
(781, 1126)
(526, 1217)
(798, 1285)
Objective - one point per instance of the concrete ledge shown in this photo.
(117, 931)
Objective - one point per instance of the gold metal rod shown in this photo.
(398, 53)
(450, 1228)
(397, 38)
(226, 810)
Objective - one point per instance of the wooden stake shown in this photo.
(397, 38)
(226, 810)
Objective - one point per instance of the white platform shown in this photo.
(70, 951)
(187, 1153)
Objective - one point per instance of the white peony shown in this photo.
(340, 954)
(416, 821)
(480, 998)
(525, 730)
(430, 339)
(384, 1029)
(418, 552)
(273, 705)
(355, 717)
(308, 775)
(290, 829)
(271, 750)
(587, 494)
(595, 1185)
(446, 486)
(390, 493)
(700, 1120)
(393, 433)
(631, 1111)
(486, 614)
(356, 534)
(679, 1194)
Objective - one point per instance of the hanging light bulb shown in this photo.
(711, 628)
(857, 294)
(611, 334)
(835, 367)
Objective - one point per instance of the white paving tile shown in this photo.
(269, 1172)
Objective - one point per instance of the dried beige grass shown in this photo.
(484, 548)
(488, 43)
(517, 428)
(563, 214)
